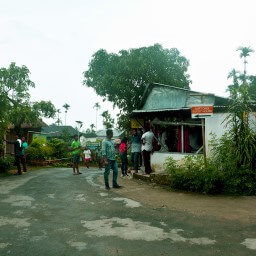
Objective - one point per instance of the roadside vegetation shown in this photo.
(230, 167)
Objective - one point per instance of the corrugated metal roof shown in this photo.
(59, 129)
(158, 110)
(116, 133)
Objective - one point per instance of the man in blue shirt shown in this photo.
(109, 157)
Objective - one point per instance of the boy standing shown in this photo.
(147, 139)
(109, 156)
(76, 155)
(136, 146)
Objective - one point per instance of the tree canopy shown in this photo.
(15, 105)
(122, 78)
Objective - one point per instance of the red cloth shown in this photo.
(122, 147)
(187, 148)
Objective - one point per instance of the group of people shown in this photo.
(140, 144)
(20, 146)
(107, 155)
(76, 149)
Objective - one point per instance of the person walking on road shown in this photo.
(109, 156)
(17, 152)
(147, 139)
(76, 147)
(87, 156)
(24, 147)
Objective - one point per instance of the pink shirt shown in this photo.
(122, 147)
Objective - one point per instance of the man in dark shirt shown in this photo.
(17, 152)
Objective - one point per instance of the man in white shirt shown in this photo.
(147, 139)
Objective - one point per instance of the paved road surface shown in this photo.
(52, 212)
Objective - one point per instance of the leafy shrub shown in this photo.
(192, 176)
(35, 150)
(59, 148)
(222, 174)
(5, 164)
(34, 154)
(240, 181)
(39, 150)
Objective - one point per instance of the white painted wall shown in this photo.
(158, 159)
(215, 124)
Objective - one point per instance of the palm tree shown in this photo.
(97, 107)
(233, 74)
(108, 121)
(66, 106)
(92, 126)
(245, 52)
(79, 126)
(58, 119)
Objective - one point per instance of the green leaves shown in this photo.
(108, 121)
(15, 105)
(122, 77)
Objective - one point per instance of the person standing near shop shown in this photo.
(17, 152)
(24, 147)
(123, 153)
(109, 157)
(135, 149)
(147, 139)
(76, 147)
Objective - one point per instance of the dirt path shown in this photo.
(237, 208)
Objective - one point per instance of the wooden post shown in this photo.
(182, 139)
(203, 135)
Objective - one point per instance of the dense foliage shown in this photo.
(231, 165)
(122, 78)
(6, 164)
(241, 106)
(221, 174)
(15, 105)
(40, 150)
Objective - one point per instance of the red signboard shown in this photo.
(200, 111)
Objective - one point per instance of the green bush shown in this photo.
(240, 181)
(5, 164)
(34, 154)
(39, 150)
(59, 147)
(216, 178)
(192, 176)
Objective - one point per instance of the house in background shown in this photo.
(57, 131)
(168, 110)
(91, 139)
(117, 134)
(27, 130)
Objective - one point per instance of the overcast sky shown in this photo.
(56, 39)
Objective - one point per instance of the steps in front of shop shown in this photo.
(158, 178)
